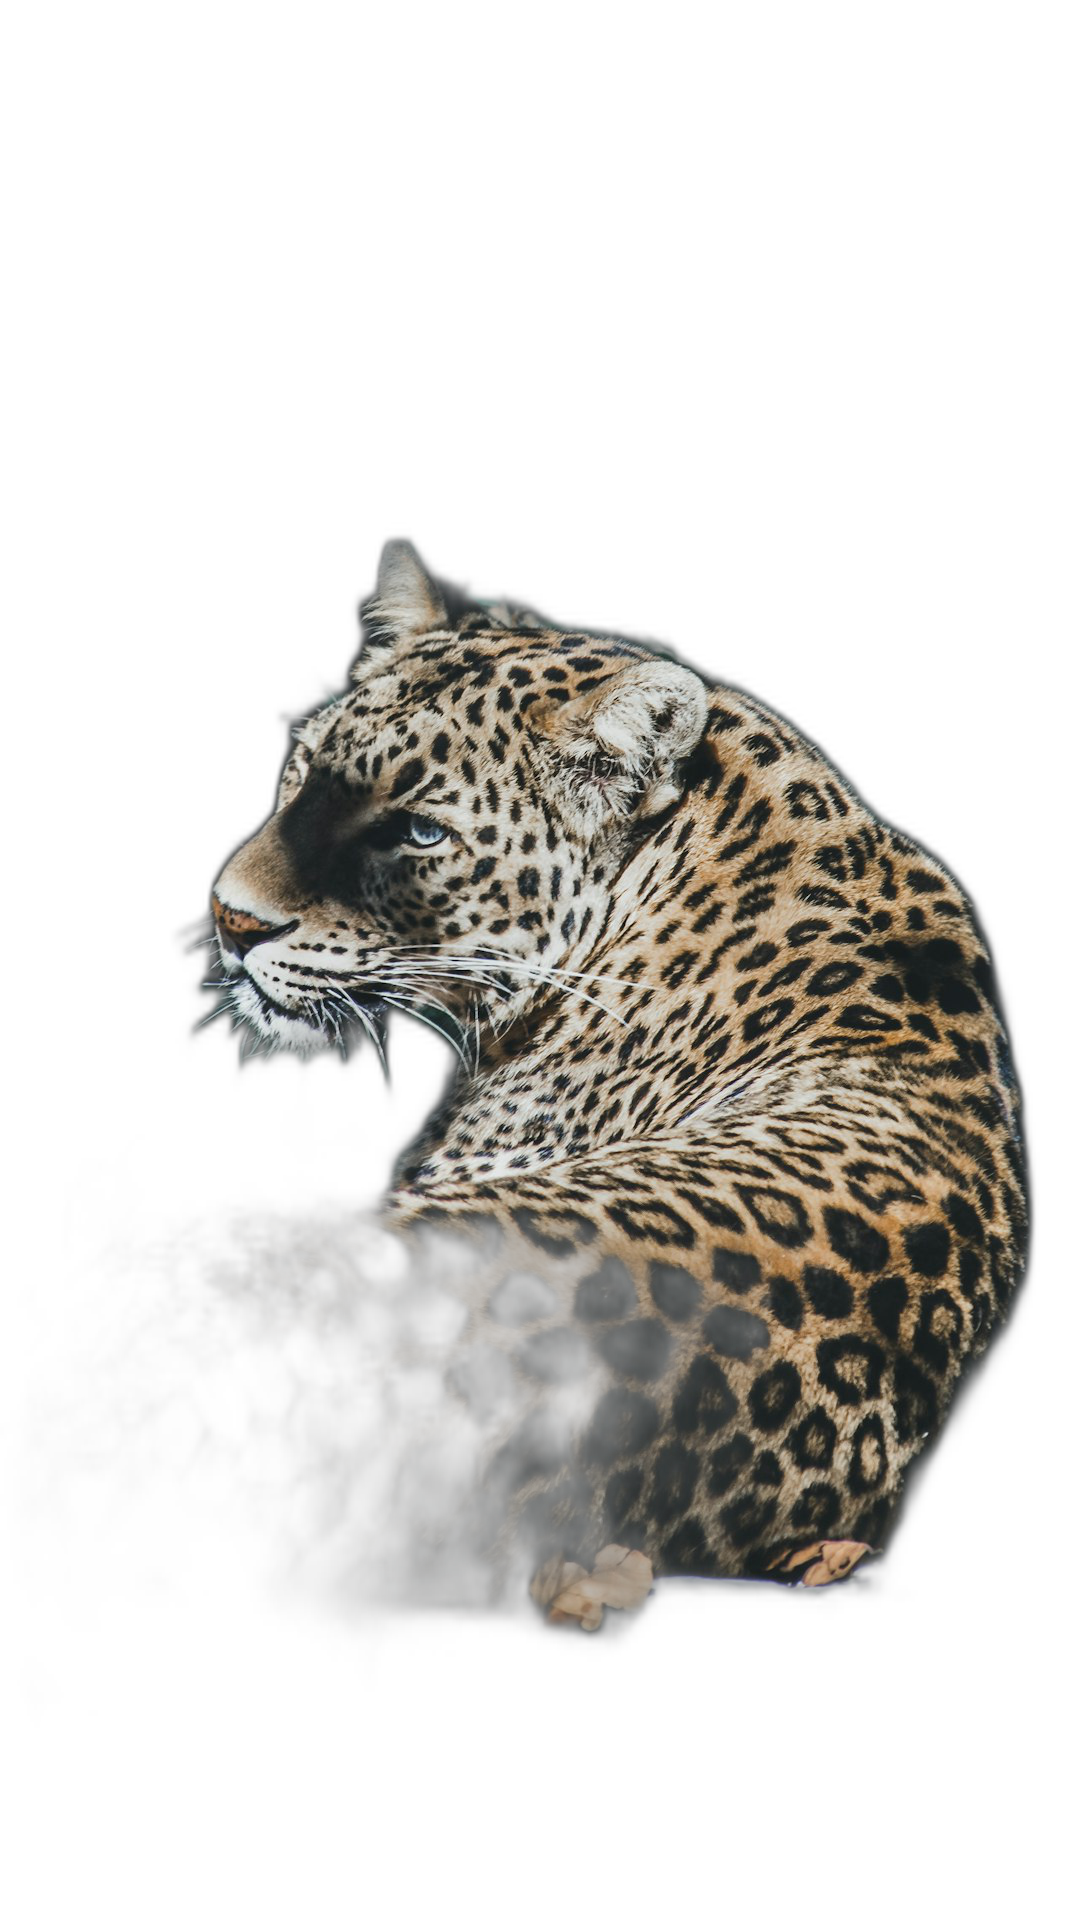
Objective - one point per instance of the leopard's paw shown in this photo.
(621, 1577)
(821, 1564)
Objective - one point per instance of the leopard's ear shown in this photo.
(406, 599)
(623, 742)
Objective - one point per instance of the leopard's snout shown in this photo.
(239, 932)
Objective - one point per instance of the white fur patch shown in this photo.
(272, 1029)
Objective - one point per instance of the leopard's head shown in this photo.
(447, 832)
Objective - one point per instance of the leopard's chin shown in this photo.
(325, 1023)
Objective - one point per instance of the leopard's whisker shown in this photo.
(463, 966)
(214, 1014)
(352, 1010)
(541, 978)
(516, 960)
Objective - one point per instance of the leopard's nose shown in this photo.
(239, 932)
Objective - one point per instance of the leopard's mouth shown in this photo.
(314, 1010)
(318, 1019)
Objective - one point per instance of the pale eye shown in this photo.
(422, 832)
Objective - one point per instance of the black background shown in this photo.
(833, 519)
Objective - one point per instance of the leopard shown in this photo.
(733, 1119)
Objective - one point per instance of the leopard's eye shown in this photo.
(405, 830)
(419, 831)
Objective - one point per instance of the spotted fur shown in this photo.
(734, 1086)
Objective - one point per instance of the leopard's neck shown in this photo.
(738, 953)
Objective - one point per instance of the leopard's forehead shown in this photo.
(443, 664)
(447, 690)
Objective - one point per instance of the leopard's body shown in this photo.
(737, 1088)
